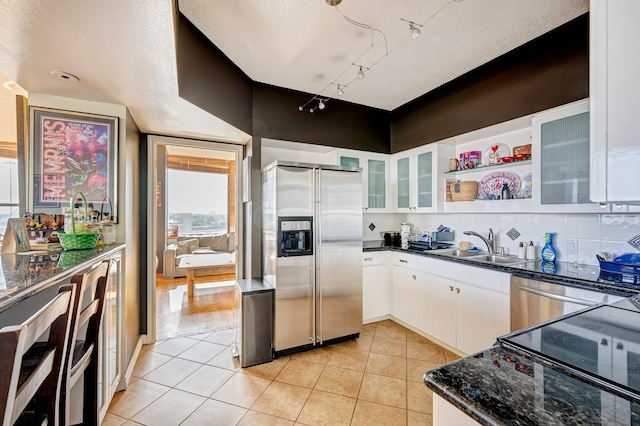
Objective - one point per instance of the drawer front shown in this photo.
(374, 258)
(473, 275)
(405, 260)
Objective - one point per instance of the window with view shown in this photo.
(197, 202)
(8, 190)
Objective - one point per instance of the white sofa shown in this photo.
(194, 245)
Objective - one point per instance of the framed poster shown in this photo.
(73, 152)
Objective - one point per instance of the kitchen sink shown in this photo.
(498, 259)
(461, 253)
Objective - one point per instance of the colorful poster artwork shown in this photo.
(75, 158)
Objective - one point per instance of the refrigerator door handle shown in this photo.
(318, 256)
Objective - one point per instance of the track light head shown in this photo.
(360, 74)
(321, 105)
(300, 108)
(415, 31)
(340, 92)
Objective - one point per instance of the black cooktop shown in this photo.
(600, 344)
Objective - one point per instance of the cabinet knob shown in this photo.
(458, 290)
(450, 288)
(414, 277)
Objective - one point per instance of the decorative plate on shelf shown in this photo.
(493, 183)
(494, 152)
(526, 185)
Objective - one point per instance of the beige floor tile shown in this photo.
(412, 336)
(222, 337)
(384, 390)
(368, 329)
(327, 409)
(387, 365)
(202, 352)
(362, 343)
(282, 400)
(205, 380)
(318, 355)
(416, 369)
(135, 398)
(391, 330)
(369, 413)
(382, 345)
(450, 356)
(425, 351)
(419, 398)
(254, 418)
(340, 381)
(268, 370)
(201, 336)
(130, 423)
(173, 372)
(300, 373)
(419, 419)
(173, 347)
(241, 389)
(226, 360)
(112, 420)
(172, 408)
(349, 358)
(149, 361)
(215, 413)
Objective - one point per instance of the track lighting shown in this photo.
(360, 74)
(340, 92)
(321, 105)
(414, 29)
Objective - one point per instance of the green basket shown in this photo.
(78, 241)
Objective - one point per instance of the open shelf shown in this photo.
(492, 166)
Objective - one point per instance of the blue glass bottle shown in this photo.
(548, 253)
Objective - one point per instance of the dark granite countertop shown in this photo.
(23, 275)
(500, 387)
(585, 276)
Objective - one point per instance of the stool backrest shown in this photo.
(34, 369)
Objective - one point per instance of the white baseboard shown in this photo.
(126, 378)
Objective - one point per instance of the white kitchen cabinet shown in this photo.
(560, 155)
(404, 304)
(463, 306)
(417, 175)
(374, 286)
(614, 66)
(375, 175)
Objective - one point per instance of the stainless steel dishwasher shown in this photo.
(533, 302)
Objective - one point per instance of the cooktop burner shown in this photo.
(601, 344)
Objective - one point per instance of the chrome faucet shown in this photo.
(489, 241)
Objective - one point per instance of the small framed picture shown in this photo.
(16, 238)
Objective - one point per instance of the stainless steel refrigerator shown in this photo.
(312, 249)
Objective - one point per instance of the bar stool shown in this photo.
(31, 371)
(82, 351)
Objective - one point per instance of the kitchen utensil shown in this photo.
(453, 164)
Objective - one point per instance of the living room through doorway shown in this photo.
(197, 218)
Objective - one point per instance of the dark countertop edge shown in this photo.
(453, 399)
(26, 292)
(535, 275)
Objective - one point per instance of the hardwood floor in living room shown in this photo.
(211, 309)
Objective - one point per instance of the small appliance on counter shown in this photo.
(433, 241)
(391, 238)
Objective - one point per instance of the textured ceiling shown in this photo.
(123, 51)
(308, 45)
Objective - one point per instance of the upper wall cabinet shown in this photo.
(375, 175)
(417, 176)
(615, 100)
(560, 155)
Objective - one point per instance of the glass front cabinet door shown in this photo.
(560, 154)
(415, 177)
(375, 178)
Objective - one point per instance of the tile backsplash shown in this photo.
(591, 233)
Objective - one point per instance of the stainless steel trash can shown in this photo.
(254, 322)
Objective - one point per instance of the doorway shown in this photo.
(193, 216)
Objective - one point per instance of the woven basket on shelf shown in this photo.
(464, 191)
(78, 241)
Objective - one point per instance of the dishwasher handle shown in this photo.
(557, 296)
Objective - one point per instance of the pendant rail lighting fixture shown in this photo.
(413, 28)
(414, 32)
